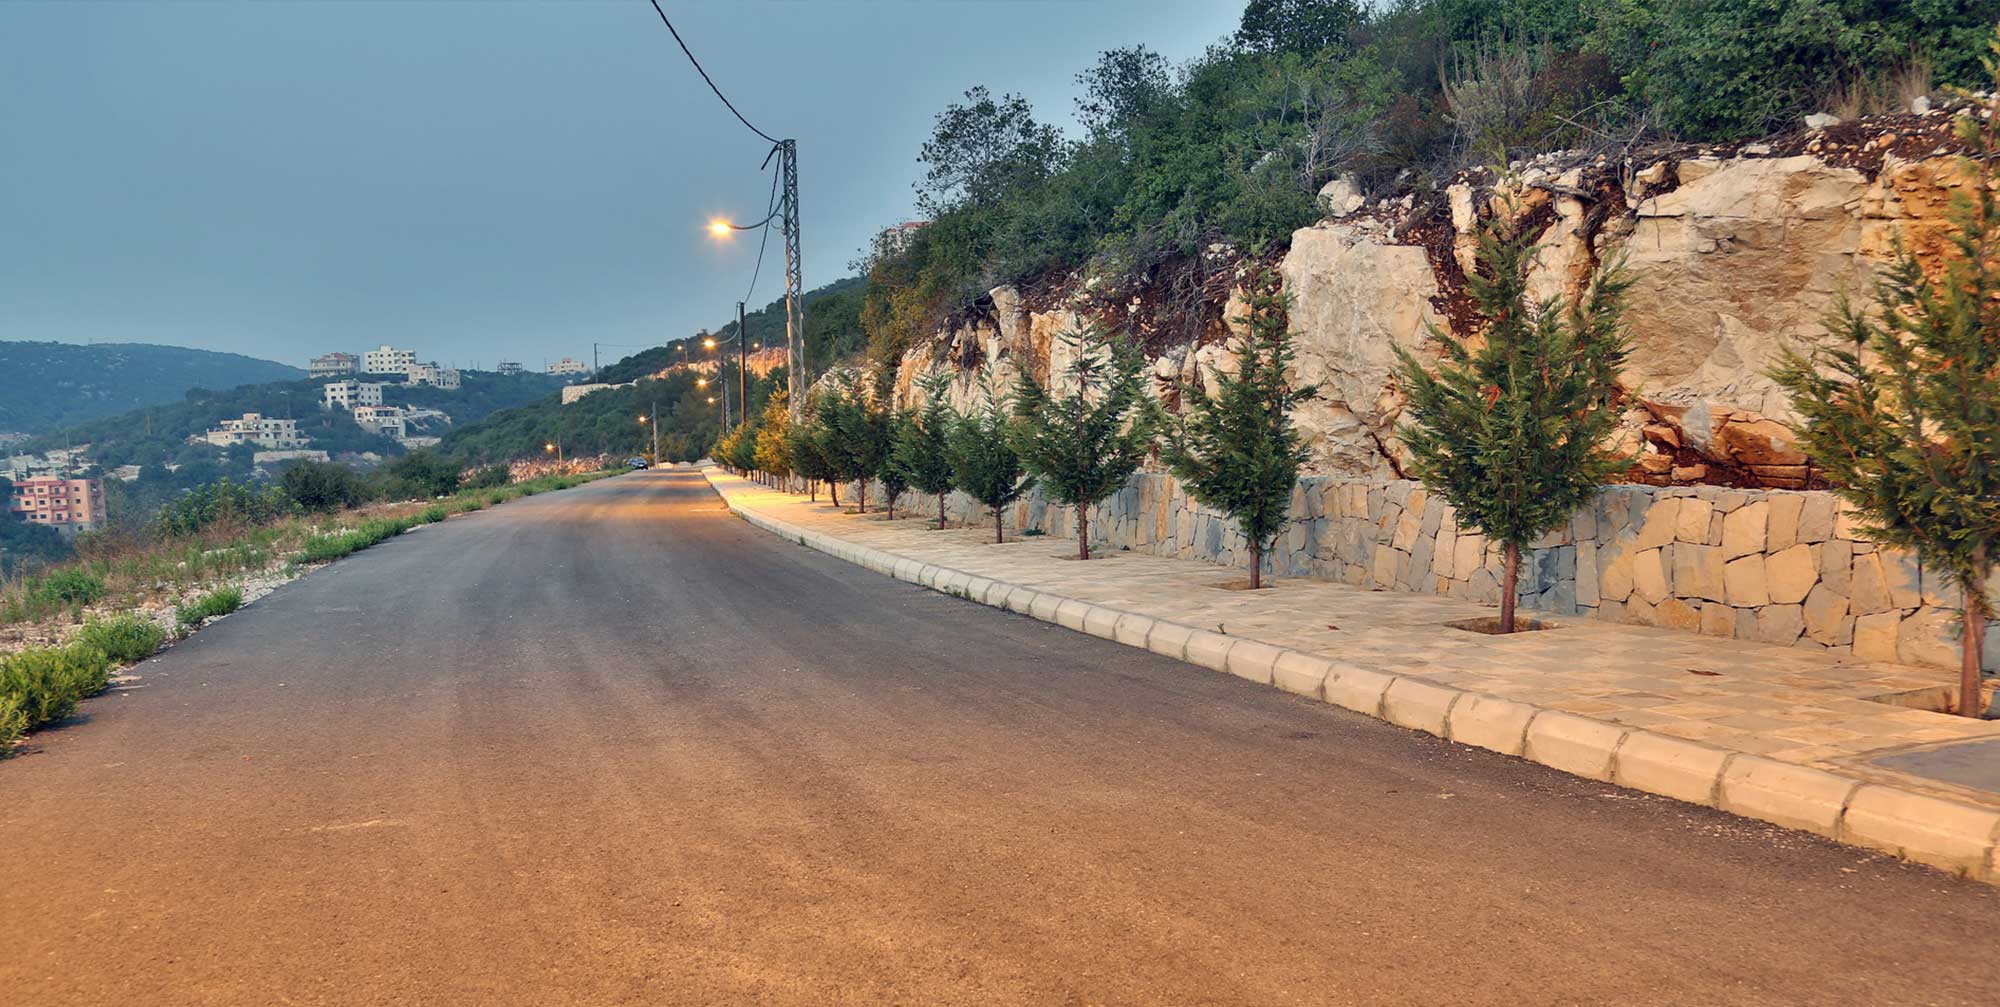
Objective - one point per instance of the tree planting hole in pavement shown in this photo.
(1490, 625)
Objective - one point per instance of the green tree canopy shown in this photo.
(1510, 431)
(1236, 449)
(1083, 444)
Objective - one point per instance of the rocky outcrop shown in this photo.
(1734, 253)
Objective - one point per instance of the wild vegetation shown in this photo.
(1234, 146)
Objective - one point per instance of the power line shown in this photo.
(705, 76)
(770, 210)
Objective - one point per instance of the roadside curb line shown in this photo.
(1960, 838)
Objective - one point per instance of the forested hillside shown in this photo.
(45, 386)
(159, 434)
(833, 332)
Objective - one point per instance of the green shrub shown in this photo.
(432, 515)
(221, 601)
(125, 638)
(69, 587)
(43, 685)
(13, 722)
(496, 499)
(323, 487)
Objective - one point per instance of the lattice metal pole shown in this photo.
(795, 304)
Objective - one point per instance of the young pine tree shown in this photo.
(1236, 450)
(856, 439)
(922, 445)
(803, 442)
(772, 452)
(895, 479)
(983, 463)
(1905, 418)
(1510, 432)
(1083, 445)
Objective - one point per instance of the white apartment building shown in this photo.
(386, 359)
(256, 428)
(348, 394)
(433, 375)
(382, 420)
(508, 367)
(568, 366)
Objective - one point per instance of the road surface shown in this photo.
(614, 746)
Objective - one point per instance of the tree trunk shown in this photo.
(892, 508)
(1973, 646)
(1082, 532)
(940, 512)
(861, 495)
(1256, 566)
(999, 535)
(812, 490)
(1507, 588)
(833, 491)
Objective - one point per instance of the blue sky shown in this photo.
(482, 181)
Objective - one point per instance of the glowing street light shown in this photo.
(708, 344)
(711, 400)
(719, 228)
(701, 382)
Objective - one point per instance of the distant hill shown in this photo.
(52, 385)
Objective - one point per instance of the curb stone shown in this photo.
(1942, 833)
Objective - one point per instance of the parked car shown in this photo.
(635, 462)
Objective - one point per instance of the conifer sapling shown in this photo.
(1082, 445)
(1905, 416)
(1511, 431)
(1236, 450)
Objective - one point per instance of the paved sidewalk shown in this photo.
(1774, 733)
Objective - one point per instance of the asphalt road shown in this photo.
(614, 746)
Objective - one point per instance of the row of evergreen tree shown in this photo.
(1509, 425)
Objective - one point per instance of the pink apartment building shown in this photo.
(67, 505)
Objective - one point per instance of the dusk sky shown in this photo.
(478, 181)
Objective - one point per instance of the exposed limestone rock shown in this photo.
(1340, 197)
(1353, 299)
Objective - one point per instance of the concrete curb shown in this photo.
(1950, 835)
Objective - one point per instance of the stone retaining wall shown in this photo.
(1774, 566)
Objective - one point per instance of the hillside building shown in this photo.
(387, 420)
(348, 394)
(433, 375)
(566, 366)
(256, 428)
(67, 505)
(333, 365)
(386, 359)
(508, 367)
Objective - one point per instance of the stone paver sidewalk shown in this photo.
(1770, 732)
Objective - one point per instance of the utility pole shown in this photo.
(795, 304)
(656, 431)
(742, 362)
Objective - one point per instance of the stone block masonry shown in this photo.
(1774, 566)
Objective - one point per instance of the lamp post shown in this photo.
(708, 343)
(654, 421)
(555, 446)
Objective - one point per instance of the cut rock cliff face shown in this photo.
(1733, 252)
